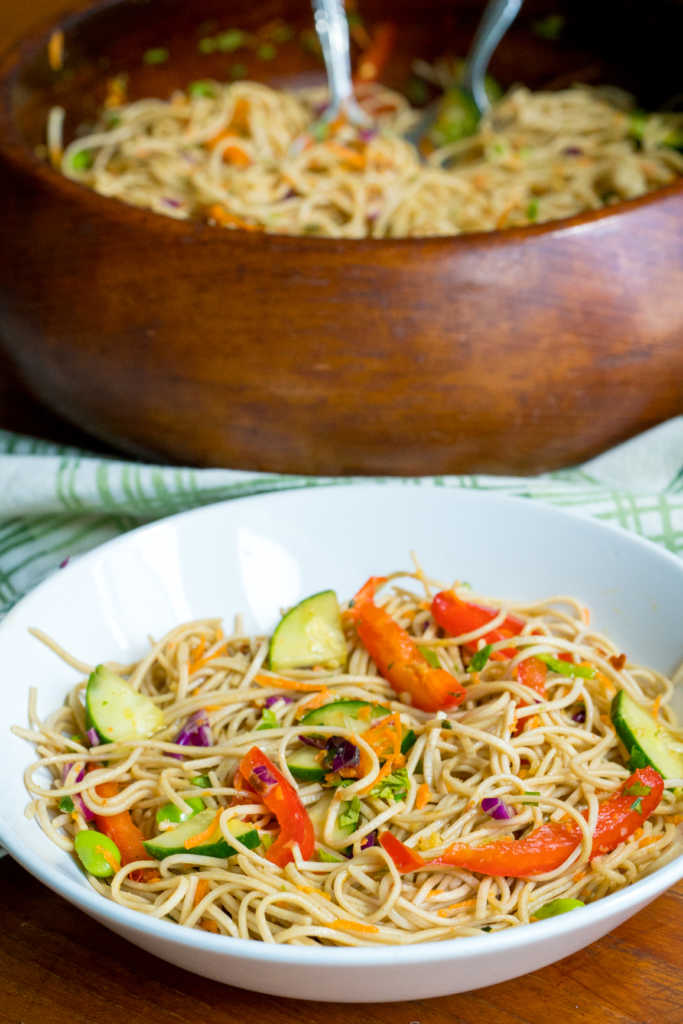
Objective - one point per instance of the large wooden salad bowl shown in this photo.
(518, 351)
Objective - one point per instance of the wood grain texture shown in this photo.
(58, 966)
(513, 352)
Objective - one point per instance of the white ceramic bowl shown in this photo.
(258, 554)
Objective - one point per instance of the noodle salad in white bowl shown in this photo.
(278, 749)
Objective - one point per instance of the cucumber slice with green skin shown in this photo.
(171, 814)
(317, 812)
(116, 711)
(305, 764)
(169, 843)
(345, 714)
(647, 740)
(309, 634)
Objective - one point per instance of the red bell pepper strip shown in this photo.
(456, 617)
(548, 846)
(532, 673)
(397, 656)
(122, 830)
(283, 801)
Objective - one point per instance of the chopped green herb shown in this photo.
(349, 815)
(637, 125)
(266, 51)
(417, 91)
(392, 788)
(113, 120)
(638, 788)
(320, 130)
(637, 805)
(268, 720)
(228, 42)
(201, 88)
(549, 27)
(532, 210)
(82, 160)
(566, 668)
(559, 906)
(206, 45)
(66, 804)
(238, 71)
(329, 858)
(480, 658)
(446, 724)
(486, 928)
(157, 55)
(430, 656)
(281, 33)
(202, 781)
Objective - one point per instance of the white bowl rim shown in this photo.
(367, 956)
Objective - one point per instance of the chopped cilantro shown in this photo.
(566, 668)
(157, 55)
(349, 815)
(393, 788)
(268, 720)
(638, 788)
(430, 656)
(66, 804)
(446, 724)
(480, 658)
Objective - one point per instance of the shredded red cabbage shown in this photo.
(319, 742)
(369, 840)
(341, 754)
(495, 808)
(76, 797)
(63, 564)
(93, 737)
(261, 778)
(580, 716)
(195, 733)
(274, 698)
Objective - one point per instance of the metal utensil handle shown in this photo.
(333, 32)
(495, 22)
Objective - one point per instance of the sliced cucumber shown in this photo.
(116, 711)
(216, 845)
(309, 634)
(304, 764)
(317, 812)
(346, 714)
(647, 740)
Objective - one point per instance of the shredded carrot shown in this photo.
(204, 836)
(278, 683)
(312, 889)
(586, 615)
(196, 655)
(677, 819)
(352, 926)
(55, 50)
(638, 833)
(385, 739)
(579, 876)
(656, 706)
(117, 91)
(435, 892)
(383, 772)
(456, 906)
(316, 701)
(109, 857)
(424, 795)
(209, 925)
(221, 216)
(647, 840)
(608, 686)
(200, 659)
(364, 714)
(200, 892)
(502, 219)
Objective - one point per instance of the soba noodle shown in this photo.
(247, 156)
(547, 759)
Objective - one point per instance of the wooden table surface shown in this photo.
(59, 967)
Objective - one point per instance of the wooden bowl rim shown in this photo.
(18, 154)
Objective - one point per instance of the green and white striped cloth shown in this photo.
(57, 502)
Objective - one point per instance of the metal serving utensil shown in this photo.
(332, 28)
(496, 20)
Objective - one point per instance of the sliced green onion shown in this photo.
(559, 906)
(532, 210)
(282, 33)
(637, 805)
(329, 858)
(566, 668)
(203, 781)
(429, 656)
(97, 853)
(170, 812)
(638, 788)
(66, 804)
(228, 42)
(480, 658)
(268, 720)
(266, 51)
(157, 55)
(201, 88)
(206, 45)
